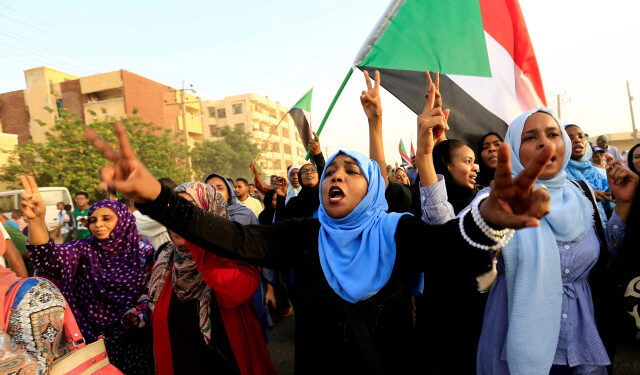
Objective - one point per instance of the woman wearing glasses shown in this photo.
(308, 199)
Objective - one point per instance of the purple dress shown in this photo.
(102, 280)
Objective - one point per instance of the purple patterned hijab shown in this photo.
(101, 279)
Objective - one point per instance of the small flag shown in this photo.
(488, 69)
(403, 153)
(301, 115)
(413, 152)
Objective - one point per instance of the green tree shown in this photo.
(229, 156)
(66, 158)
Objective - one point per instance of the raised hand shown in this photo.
(432, 122)
(438, 133)
(515, 203)
(281, 187)
(622, 182)
(127, 174)
(314, 145)
(370, 98)
(31, 201)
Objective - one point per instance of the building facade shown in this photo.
(114, 94)
(258, 117)
(623, 141)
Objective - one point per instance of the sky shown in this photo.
(586, 51)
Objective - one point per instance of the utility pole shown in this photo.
(183, 107)
(559, 100)
(633, 122)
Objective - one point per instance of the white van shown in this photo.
(10, 200)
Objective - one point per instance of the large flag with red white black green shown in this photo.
(403, 153)
(488, 70)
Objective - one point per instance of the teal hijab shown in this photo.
(532, 263)
(357, 252)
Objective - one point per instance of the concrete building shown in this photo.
(8, 142)
(622, 141)
(114, 94)
(258, 117)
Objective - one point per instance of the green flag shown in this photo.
(301, 114)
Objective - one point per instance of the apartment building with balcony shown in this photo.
(257, 116)
(116, 94)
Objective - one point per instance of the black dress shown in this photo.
(198, 357)
(324, 340)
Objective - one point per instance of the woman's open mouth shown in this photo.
(335, 194)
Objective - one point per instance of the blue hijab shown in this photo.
(237, 212)
(583, 170)
(532, 263)
(357, 252)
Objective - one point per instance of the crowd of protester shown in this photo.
(518, 256)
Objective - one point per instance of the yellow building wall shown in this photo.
(101, 82)
(40, 93)
(8, 142)
(193, 115)
(112, 108)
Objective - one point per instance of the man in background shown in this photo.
(603, 142)
(81, 215)
(242, 193)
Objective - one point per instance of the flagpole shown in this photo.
(269, 138)
(333, 103)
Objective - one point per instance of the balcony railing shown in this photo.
(100, 103)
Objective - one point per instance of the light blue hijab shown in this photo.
(357, 252)
(532, 263)
(583, 170)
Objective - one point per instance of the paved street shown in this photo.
(281, 345)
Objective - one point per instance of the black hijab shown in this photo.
(485, 176)
(459, 196)
(308, 199)
(266, 216)
(630, 257)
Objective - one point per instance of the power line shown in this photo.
(74, 41)
(41, 58)
(22, 38)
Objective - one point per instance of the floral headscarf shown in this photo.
(177, 262)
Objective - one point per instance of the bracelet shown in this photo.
(484, 227)
(501, 237)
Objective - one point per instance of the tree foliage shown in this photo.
(66, 158)
(229, 156)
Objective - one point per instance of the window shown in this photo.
(240, 126)
(237, 108)
(59, 106)
(277, 164)
(222, 113)
(285, 133)
(287, 149)
(212, 111)
(214, 131)
(274, 130)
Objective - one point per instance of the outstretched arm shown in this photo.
(34, 211)
(432, 124)
(372, 107)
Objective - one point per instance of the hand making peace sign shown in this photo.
(370, 98)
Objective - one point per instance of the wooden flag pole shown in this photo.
(269, 138)
(333, 103)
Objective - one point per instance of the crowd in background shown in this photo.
(386, 269)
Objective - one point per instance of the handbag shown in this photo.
(82, 359)
(14, 359)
